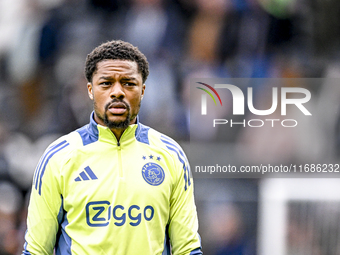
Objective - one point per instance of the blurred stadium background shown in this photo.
(43, 45)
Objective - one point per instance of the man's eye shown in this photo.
(130, 84)
(106, 83)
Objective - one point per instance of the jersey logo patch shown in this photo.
(86, 175)
(153, 174)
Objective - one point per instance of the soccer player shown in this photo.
(113, 186)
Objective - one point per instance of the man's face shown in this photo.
(116, 90)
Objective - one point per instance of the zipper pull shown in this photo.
(118, 143)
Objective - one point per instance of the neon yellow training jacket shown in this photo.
(93, 195)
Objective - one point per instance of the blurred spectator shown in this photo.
(4, 172)
(22, 155)
(227, 226)
(10, 203)
(228, 215)
(75, 107)
(11, 24)
(205, 31)
(156, 27)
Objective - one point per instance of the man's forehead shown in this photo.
(117, 65)
(123, 62)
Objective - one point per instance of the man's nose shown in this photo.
(117, 91)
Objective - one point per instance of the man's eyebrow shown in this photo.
(128, 78)
(125, 78)
(105, 78)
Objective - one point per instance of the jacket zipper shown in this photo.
(120, 160)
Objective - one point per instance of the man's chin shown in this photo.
(117, 118)
(117, 122)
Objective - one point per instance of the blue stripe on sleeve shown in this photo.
(171, 145)
(38, 169)
(36, 172)
(47, 156)
(169, 141)
(184, 158)
(184, 168)
(178, 150)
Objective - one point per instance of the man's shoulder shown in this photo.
(180, 165)
(73, 139)
(64, 145)
(164, 142)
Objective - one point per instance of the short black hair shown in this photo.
(116, 49)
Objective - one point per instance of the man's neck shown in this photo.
(118, 132)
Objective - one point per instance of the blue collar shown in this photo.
(90, 133)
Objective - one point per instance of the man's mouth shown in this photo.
(117, 108)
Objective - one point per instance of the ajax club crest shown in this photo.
(153, 174)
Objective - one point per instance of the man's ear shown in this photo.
(143, 89)
(89, 90)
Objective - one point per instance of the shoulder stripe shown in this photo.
(181, 157)
(37, 172)
(44, 160)
(35, 181)
(169, 142)
(184, 168)
(175, 145)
